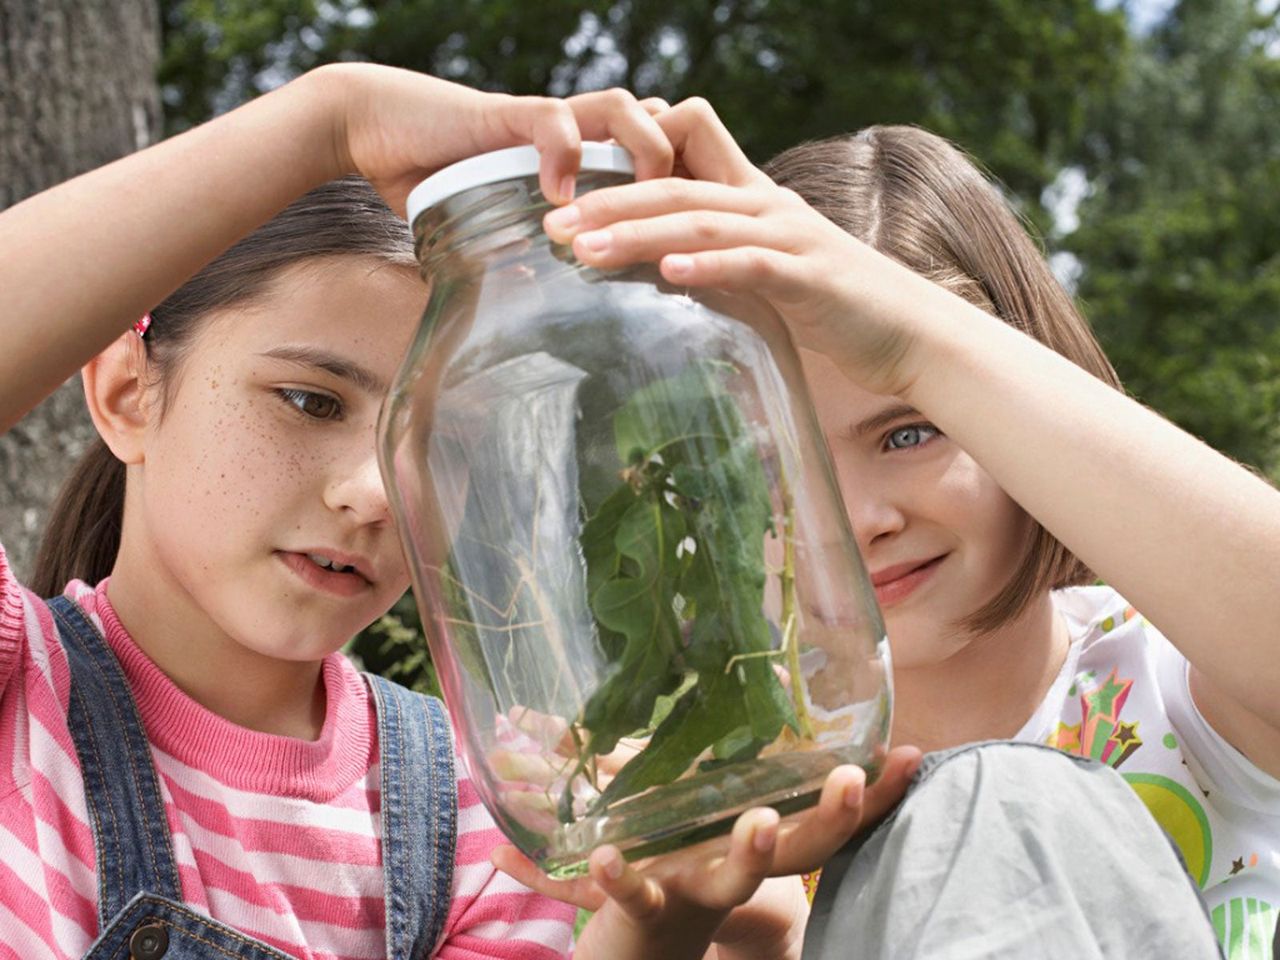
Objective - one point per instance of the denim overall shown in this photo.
(140, 911)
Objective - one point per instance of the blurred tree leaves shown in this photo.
(1179, 240)
(216, 54)
(1011, 80)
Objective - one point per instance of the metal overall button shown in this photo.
(149, 942)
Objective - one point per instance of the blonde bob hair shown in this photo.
(917, 198)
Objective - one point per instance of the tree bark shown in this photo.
(77, 90)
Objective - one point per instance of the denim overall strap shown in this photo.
(131, 833)
(419, 817)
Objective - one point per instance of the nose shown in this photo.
(873, 510)
(874, 520)
(357, 490)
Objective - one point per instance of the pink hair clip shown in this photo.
(143, 325)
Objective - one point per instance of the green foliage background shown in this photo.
(1167, 131)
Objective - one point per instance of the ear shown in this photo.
(118, 399)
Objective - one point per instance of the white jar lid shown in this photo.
(507, 164)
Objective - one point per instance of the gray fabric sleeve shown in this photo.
(1010, 851)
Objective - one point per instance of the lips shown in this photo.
(347, 582)
(894, 584)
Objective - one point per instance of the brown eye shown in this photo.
(317, 406)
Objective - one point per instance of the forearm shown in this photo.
(81, 261)
(1181, 531)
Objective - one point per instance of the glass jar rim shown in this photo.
(507, 164)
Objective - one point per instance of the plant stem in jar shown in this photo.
(789, 625)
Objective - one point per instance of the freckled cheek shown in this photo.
(248, 462)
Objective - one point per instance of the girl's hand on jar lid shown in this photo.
(616, 115)
(702, 149)
(396, 127)
(728, 226)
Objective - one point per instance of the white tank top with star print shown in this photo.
(1122, 698)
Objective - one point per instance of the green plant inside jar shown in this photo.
(676, 576)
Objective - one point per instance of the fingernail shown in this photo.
(765, 837)
(597, 241)
(852, 795)
(567, 186)
(613, 867)
(678, 265)
(565, 218)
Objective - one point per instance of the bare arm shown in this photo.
(1191, 538)
(81, 262)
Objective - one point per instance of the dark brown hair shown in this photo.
(917, 198)
(343, 218)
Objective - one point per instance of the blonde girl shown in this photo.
(991, 469)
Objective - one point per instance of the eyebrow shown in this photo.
(330, 363)
(884, 418)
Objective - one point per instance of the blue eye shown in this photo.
(916, 435)
(317, 406)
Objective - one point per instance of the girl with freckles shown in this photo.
(189, 767)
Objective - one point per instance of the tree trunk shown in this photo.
(78, 89)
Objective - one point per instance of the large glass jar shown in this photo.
(636, 576)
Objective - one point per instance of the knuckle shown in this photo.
(681, 191)
(664, 151)
(553, 109)
(598, 206)
(700, 106)
(703, 225)
(643, 238)
(710, 264)
(758, 263)
(644, 903)
(790, 197)
(618, 97)
(626, 238)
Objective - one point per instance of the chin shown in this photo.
(295, 643)
(301, 651)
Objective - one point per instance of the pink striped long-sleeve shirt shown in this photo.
(275, 836)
